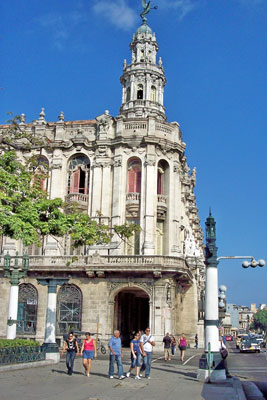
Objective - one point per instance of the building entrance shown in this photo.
(131, 312)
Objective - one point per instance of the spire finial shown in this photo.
(147, 7)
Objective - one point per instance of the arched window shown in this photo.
(134, 176)
(133, 242)
(142, 55)
(69, 308)
(41, 172)
(140, 92)
(27, 309)
(153, 93)
(128, 94)
(79, 174)
(160, 180)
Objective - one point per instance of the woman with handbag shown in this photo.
(136, 353)
(224, 354)
(182, 345)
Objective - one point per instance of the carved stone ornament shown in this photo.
(56, 164)
(176, 167)
(117, 162)
(150, 160)
(146, 286)
(102, 163)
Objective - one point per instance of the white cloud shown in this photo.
(182, 7)
(118, 12)
(60, 26)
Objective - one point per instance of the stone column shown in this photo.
(118, 200)
(97, 189)
(12, 311)
(175, 249)
(150, 193)
(57, 189)
(50, 344)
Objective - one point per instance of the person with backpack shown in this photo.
(147, 344)
(72, 348)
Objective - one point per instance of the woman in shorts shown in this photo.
(182, 345)
(88, 352)
(136, 352)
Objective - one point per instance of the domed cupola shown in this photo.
(143, 80)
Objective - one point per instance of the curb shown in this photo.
(252, 391)
(237, 385)
(35, 364)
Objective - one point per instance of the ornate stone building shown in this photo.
(126, 168)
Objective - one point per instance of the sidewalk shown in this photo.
(169, 381)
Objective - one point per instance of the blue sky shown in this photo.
(67, 55)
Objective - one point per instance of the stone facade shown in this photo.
(129, 168)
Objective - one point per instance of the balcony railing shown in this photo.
(162, 199)
(133, 197)
(97, 263)
(79, 198)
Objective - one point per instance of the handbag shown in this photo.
(224, 353)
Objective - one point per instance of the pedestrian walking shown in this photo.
(224, 355)
(182, 345)
(136, 353)
(147, 344)
(72, 348)
(196, 341)
(167, 346)
(88, 352)
(173, 344)
(115, 355)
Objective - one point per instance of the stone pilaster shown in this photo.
(50, 344)
(149, 211)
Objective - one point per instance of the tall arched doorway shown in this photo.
(131, 312)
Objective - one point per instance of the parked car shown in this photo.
(249, 345)
(228, 338)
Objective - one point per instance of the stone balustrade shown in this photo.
(79, 198)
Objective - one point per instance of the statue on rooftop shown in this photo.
(147, 7)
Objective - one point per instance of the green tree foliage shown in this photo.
(25, 211)
(260, 320)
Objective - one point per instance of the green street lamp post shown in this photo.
(14, 273)
(211, 365)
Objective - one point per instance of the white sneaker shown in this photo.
(148, 377)
(137, 377)
(140, 375)
(111, 377)
(122, 377)
(128, 374)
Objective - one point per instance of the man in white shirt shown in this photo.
(147, 344)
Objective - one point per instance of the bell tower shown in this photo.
(143, 80)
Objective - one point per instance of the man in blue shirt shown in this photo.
(115, 355)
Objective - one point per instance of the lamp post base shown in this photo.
(216, 372)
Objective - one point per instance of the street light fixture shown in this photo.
(211, 365)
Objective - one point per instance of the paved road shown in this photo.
(169, 381)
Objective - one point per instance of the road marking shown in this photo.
(188, 360)
(160, 358)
